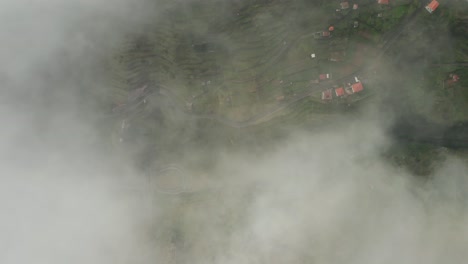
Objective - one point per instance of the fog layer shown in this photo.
(323, 197)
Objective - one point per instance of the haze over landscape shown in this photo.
(216, 132)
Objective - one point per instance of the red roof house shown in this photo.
(355, 6)
(344, 5)
(327, 94)
(324, 76)
(432, 6)
(339, 91)
(322, 34)
(357, 87)
(382, 2)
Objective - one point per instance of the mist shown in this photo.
(67, 195)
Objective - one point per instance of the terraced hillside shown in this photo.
(235, 65)
(208, 68)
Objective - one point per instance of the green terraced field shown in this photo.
(248, 63)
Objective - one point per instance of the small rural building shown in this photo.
(327, 95)
(357, 87)
(324, 76)
(331, 28)
(322, 34)
(382, 2)
(432, 6)
(339, 91)
(344, 5)
(354, 88)
(355, 6)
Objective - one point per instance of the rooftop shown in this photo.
(432, 6)
(382, 2)
(339, 91)
(324, 76)
(357, 87)
(327, 94)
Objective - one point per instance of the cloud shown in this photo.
(314, 197)
(333, 203)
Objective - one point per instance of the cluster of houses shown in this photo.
(345, 5)
(343, 91)
(431, 7)
(356, 86)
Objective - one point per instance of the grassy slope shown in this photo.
(252, 54)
